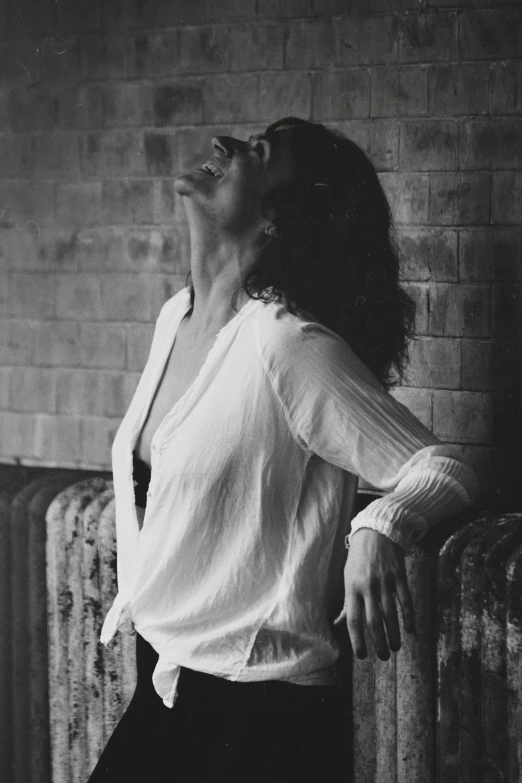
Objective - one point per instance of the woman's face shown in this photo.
(234, 185)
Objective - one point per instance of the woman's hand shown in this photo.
(373, 574)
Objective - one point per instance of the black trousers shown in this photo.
(228, 731)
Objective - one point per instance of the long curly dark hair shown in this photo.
(336, 255)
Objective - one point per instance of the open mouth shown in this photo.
(210, 168)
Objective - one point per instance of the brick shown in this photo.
(57, 60)
(428, 145)
(127, 201)
(459, 89)
(79, 203)
(286, 94)
(26, 202)
(17, 435)
(5, 383)
(79, 107)
(459, 199)
(96, 438)
(256, 47)
(139, 339)
(239, 47)
(163, 201)
(119, 388)
(57, 439)
(163, 287)
(507, 197)
(399, 91)
(341, 95)
(102, 345)
(56, 154)
(156, 54)
(99, 249)
(506, 311)
(18, 60)
(231, 11)
(490, 254)
(231, 98)
(281, 9)
(57, 343)
(419, 294)
(55, 250)
(508, 415)
(4, 107)
(78, 297)
(459, 310)
(6, 297)
(434, 362)
(367, 40)
(506, 87)
(491, 365)
(418, 401)
(167, 14)
(492, 143)
(125, 297)
(121, 14)
(33, 389)
(15, 155)
(311, 43)
(387, 6)
(463, 417)
(5, 256)
(126, 104)
(116, 153)
(80, 392)
(22, 18)
(17, 341)
(429, 254)
(155, 250)
(179, 102)
(407, 195)
(490, 35)
(428, 37)
(20, 245)
(105, 56)
(32, 108)
(32, 295)
(72, 17)
(160, 152)
(379, 140)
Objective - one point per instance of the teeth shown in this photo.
(212, 169)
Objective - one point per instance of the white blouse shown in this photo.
(254, 480)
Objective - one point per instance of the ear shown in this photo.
(272, 231)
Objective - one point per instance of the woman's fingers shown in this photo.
(405, 600)
(374, 621)
(354, 611)
(391, 621)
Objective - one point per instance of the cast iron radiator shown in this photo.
(447, 707)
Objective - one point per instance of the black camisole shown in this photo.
(141, 478)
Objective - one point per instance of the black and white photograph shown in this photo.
(260, 391)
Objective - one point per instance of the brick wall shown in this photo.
(102, 101)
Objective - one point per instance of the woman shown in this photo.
(262, 402)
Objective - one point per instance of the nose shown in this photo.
(225, 145)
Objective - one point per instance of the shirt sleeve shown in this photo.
(337, 409)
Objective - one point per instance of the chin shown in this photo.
(184, 185)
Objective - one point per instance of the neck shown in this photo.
(219, 266)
